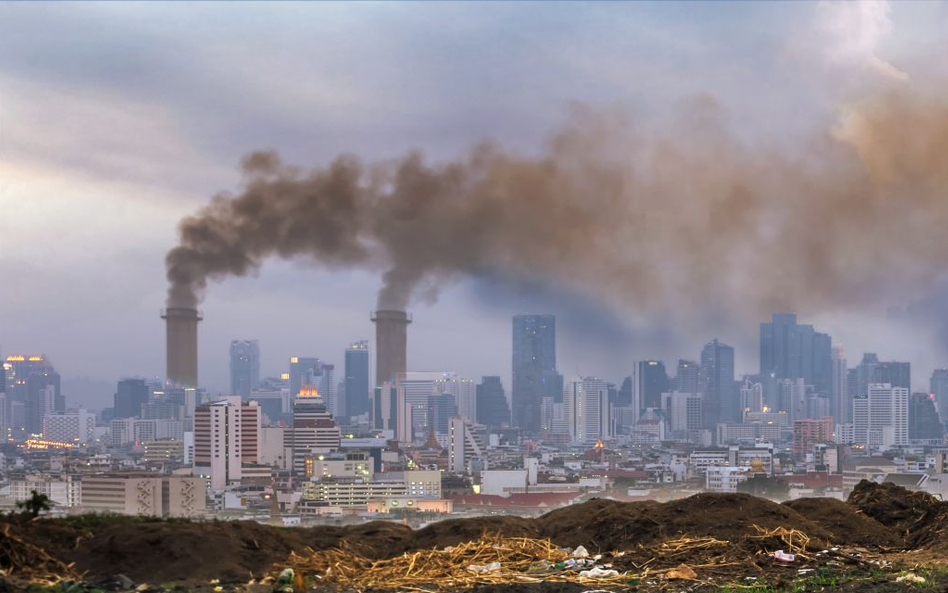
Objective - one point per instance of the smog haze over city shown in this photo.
(656, 175)
(554, 297)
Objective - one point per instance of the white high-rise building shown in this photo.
(226, 435)
(467, 442)
(586, 407)
(71, 426)
(888, 415)
(880, 418)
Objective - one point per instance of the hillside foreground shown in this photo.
(884, 538)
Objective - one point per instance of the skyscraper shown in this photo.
(789, 350)
(721, 398)
(244, 367)
(357, 380)
(312, 373)
(651, 381)
(924, 424)
(840, 398)
(938, 385)
(441, 408)
(130, 396)
(492, 407)
(534, 368)
(897, 374)
(686, 379)
(586, 406)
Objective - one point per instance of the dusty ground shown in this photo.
(882, 532)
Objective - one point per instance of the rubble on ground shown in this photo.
(707, 538)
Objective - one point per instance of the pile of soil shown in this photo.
(893, 506)
(845, 523)
(918, 517)
(154, 551)
(607, 525)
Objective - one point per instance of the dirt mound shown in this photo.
(154, 551)
(377, 539)
(161, 552)
(608, 525)
(455, 531)
(893, 506)
(845, 524)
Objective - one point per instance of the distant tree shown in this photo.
(36, 504)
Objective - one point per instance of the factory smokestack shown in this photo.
(181, 344)
(391, 344)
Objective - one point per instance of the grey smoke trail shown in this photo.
(679, 223)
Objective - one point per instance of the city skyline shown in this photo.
(89, 194)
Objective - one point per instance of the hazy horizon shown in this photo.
(119, 120)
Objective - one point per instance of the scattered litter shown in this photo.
(911, 578)
(805, 571)
(681, 572)
(492, 567)
(783, 556)
(580, 552)
(598, 573)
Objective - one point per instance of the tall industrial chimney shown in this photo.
(391, 344)
(182, 344)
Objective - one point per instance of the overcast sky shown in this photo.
(118, 119)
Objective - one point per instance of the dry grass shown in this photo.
(444, 569)
(24, 561)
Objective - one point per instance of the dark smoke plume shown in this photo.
(677, 223)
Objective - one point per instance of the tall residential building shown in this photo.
(789, 350)
(924, 423)
(226, 437)
(683, 411)
(467, 446)
(314, 430)
(938, 386)
(840, 398)
(808, 432)
(356, 380)
(244, 367)
(720, 394)
(130, 396)
(534, 368)
(651, 381)
(71, 426)
(586, 407)
(880, 418)
(492, 407)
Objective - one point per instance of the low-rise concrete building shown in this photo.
(144, 494)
